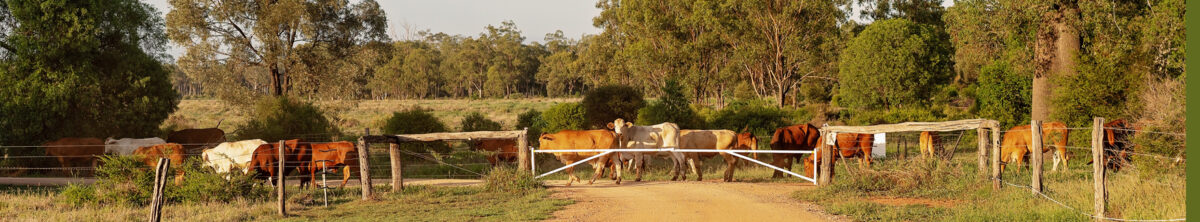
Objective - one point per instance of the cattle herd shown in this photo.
(260, 157)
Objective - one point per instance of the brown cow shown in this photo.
(798, 137)
(196, 140)
(297, 154)
(74, 151)
(502, 150)
(929, 141)
(847, 145)
(172, 151)
(582, 139)
(332, 155)
(719, 140)
(1116, 144)
(1017, 140)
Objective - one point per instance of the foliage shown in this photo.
(124, 180)
(1099, 89)
(672, 107)
(413, 121)
(1004, 95)
(607, 103)
(475, 121)
(202, 185)
(78, 194)
(280, 118)
(559, 71)
(507, 179)
(564, 116)
(81, 68)
(759, 116)
(532, 120)
(899, 115)
(893, 63)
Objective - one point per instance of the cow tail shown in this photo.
(219, 122)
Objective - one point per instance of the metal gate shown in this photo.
(603, 152)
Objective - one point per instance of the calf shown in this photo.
(503, 150)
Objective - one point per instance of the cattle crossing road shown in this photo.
(51, 181)
(685, 201)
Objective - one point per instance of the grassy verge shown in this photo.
(917, 190)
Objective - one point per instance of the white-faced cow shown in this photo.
(664, 135)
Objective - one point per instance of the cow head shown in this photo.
(109, 141)
(747, 141)
(619, 126)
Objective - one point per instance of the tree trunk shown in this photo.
(276, 81)
(1054, 56)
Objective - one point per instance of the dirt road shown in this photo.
(685, 201)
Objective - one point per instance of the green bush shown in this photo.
(564, 116)
(893, 63)
(475, 121)
(760, 116)
(78, 194)
(507, 179)
(124, 180)
(280, 118)
(900, 115)
(673, 107)
(1004, 95)
(413, 121)
(531, 119)
(1101, 88)
(202, 184)
(607, 103)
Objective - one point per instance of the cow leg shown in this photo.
(696, 168)
(598, 164)
(346, 177)
(639, 165)
(618, 170)
(730, 164)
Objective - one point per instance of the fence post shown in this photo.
(160, 180)
(903, 146)
(523, 151)
(1100, 190)
(826, 165)
(364, 166)
(1035, 155)
(981, 136)
(996, 156)
(280, 181)
(397, 167)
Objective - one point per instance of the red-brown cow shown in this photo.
(196, 140)
(1116, 144)
(503, 150)
(847, 145)
(74, 151)
(172, 151)
(798, 137)
(332, 155)
(265, 158)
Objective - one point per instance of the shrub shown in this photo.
(202, 184)
(475, 121)
(78, 194)
(531, 119)
(413, 121)
(564, 116)
(279, 118)
(758, 115)
(507, 179)
(607, 103)
(673, 107)
(1004, 95)
(123, 180)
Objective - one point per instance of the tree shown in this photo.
(893, 63)
(607, 103)
(672, 106)
(475, 121)
(82, 69)
(1004, 95)
(558, 71)
(920, 11)
(226, 38)
(783, 42)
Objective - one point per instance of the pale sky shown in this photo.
(535, 18)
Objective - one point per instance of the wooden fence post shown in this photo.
(523, 151)
(160, 180)
(280, 181)
(982, 137)
(996, 177)
(903, 147)
(826, 166)
(1035, 155)
(1100, 190)
(364, 166)
(397, 167)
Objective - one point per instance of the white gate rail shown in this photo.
(604, 152)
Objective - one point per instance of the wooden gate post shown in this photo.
(1035, 156)
(1100, 190)
(996, 157)
(523, 153)
(397, 167)
(826, 166)
(364, 166)
(280, 181)
(160, 180)
(981, 136)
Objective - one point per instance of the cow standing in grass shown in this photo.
(296, 155)
(582, 139)
(797, 137)
(847, 145)
(502, 150)
(74, 151)
(664, 135)
(331, 156)
(231, 155)
(928, 143)
(1017, 142)
(172, 151)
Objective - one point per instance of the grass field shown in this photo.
(354, 115)
(424, 203)
(917, 190)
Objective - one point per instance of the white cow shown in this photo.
(229, 155)
(126, 146)
(664, 135)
